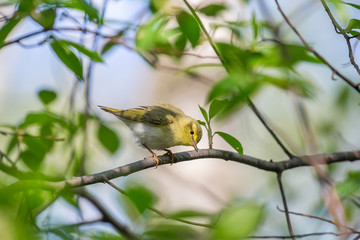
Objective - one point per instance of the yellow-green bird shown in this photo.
(159, 127)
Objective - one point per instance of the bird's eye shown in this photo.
(192, 132)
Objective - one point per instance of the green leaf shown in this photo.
(32, 160)
(142, 197)
(233, 142)
(226, 86)
(82, 5)
(7, 28)
(108, 138)
(45, 18)
(12, 144)
(238, 221)
(350, 186)
(69, 58)
(212, 9)
(202, 123)
(353, 24)
(26, 6)
(156, 5)
(180, 42)
(168, 231)
(352, 5)
(205, 115)
(189, 27)
(92, 55)
(216, 106)
(107, 47)
(47, 96)
(255, 25)
(238, 59)
(151, 36)
(189, 214)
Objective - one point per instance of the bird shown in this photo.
(159, 127)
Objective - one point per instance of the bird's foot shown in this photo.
(157, 159)
(171, 155)
(154, 156)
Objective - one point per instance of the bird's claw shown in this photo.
(157, 160)
(171, 156)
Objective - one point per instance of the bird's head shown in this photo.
(191, 132)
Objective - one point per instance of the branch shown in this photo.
(277, 167)
(283, 197)
(297, 235)
(321, 219)
(306, 44)
(18, 134)
(162, 214)
(35, 33)
(108, 216)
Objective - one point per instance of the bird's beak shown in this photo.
(194, 144)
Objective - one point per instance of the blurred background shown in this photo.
(126, 80)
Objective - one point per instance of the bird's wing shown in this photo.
(157, 115)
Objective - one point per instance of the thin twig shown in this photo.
(306, 44)
(158, 211)
(73, 225)
(107, 215)
(266, 125)
(321, 219)
(29, 135)
(297, 235)
(341, 31)
(285, 205)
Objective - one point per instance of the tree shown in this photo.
(258, 66)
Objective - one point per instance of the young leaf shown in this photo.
(141, 197)
(156, 5)
(238, 221)
(151, 35)
(92, 55)
(216, 106)
(108, 138)
(353, 24)
(255, 25)
(45, 18)
(201, 123)
(47, 96)
(189, 27)
(352, 4)
(7, 28)
(84, 6)
(205, 115)
(69, 58)
(212, 9)
(233, 142)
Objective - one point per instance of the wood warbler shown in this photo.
(159, 127)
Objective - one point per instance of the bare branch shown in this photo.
(108, 216)
(321, 219)
(306, 44)
(283, 197)
(19, 134)
(307, 160)
(297, 235)
(162, 214)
